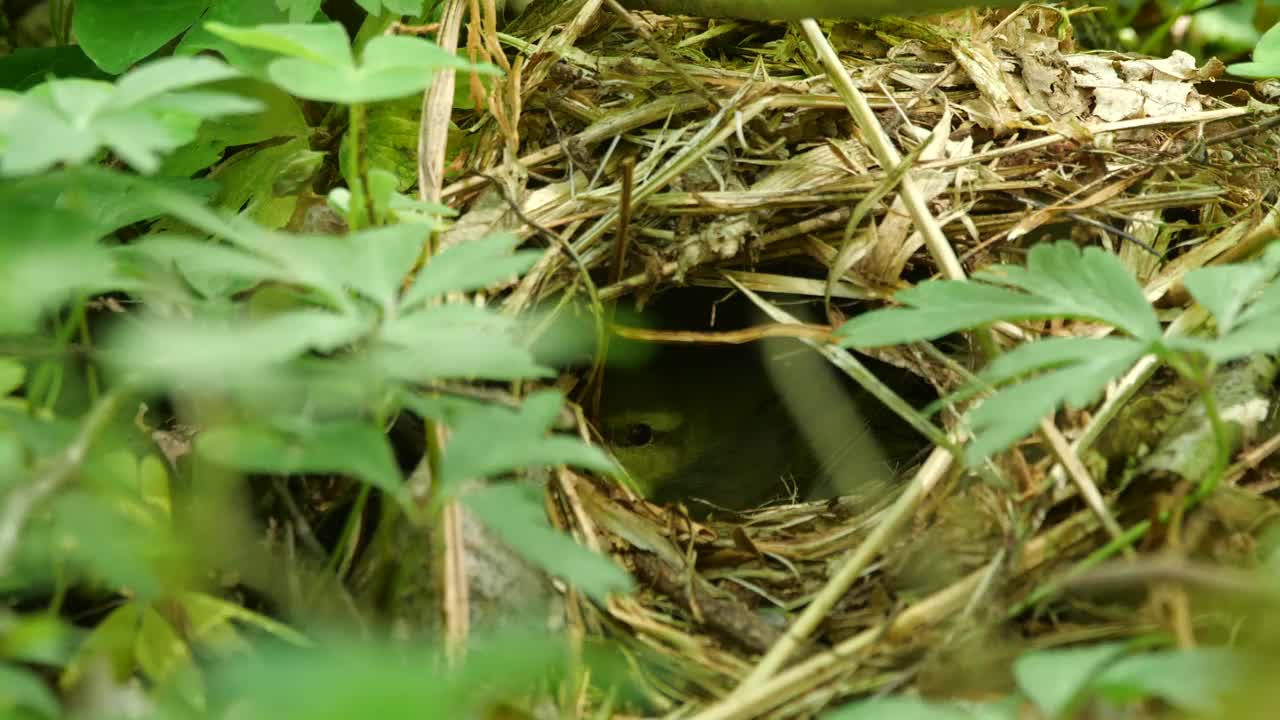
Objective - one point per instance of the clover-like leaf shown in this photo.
(320, 65)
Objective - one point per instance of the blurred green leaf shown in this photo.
(1266, 57)
(320, 65)
(1056, 679)
(207, 615)
(354, 448)
(399, 7)
(911, 708)
(150, 111)
(46, 257)
(39, 639)
(348, 680)
(471, 266)
(21, 691)
(12, 375)
(25, 68)
(300, 10)
(159, 649)
(489, 439)
(1079, 370)
(1195, 680)
(253, 61)
(1059, 281)
(516, 513)
(118, 33)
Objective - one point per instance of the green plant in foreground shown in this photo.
(1061, 281)
(298, 347)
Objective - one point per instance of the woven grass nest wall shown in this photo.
(651, 152)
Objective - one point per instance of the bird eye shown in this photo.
(638, 435)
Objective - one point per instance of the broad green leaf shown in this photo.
(349, 680)
(22, 690)
(197, 258)
(320, 65)
(154, 79)
(39, 638)
(248, 182)
(391, 141)
(381, 260)
(1093, 285)
(118, 33)
(1266, 57)
(300, 10)
(354, 448)
(1059, 281)
(321, 44)
(1195, 680)
(12, 375)
(1056, 679)
(488, 440)
(938, 307)
(253, 61)
(208, 353)
(151, 111)
(471, 266)
(281, 117)
(399, 7)
(454, 341)
(1014, 412)
(25, 68)
(111, 640)
(515, 512)
(1224, 291)
(207, 613)
(159, 649)
(46, 257)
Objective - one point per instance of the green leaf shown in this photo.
(27, 67)
(1056, 679)
(471, 266)
(118, 33)
(253, 61)
(515, 512)
(248, 182)
(46, 257)
(12, 375)
(211, 353)
(391, 141)
(399, 7)
(1059, 281)
(300, 10)
(20, 688)
(453, 341)
(150, 111)
(382, 259)
(1195, 680)
(350, 680)
(320, 65)
(1266, 57)
(160, 650)
(1224, 291)
(1082, 369)
(324, 45)
(488, 440)
(112, 640)
(280, 118)
(358, 449)
(206, 614)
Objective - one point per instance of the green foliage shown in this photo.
(1266, 57)
(320, 64)
(147, 112)
(118, 33)
(1060, 280)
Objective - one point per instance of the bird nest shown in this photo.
(650, 152)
